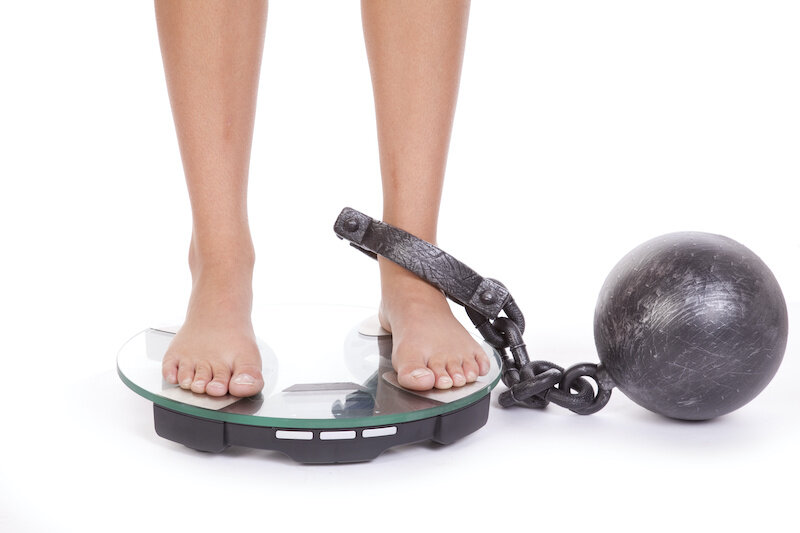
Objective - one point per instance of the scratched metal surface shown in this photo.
(691, 325)
(457, 280)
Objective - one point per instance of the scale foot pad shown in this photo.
(321, 446)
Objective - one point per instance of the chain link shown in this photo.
(535, 384)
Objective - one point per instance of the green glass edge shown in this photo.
(307, 423)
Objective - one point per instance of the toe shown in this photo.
(471, 369)
(456, 372)
(416, 377)
(443, 379)
(169, 368)
(412, 372)
(218, 386)
(202, 375)
(483, 362)
(247, 380)
(185, 373)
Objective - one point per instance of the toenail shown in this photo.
(244, 379)
(186, 383)
(445, 379)
(471, 376)
(215, 385)
(420, 373)
(458, 377)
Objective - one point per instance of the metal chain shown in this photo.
(535, 384)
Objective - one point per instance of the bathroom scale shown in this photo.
(330, 395)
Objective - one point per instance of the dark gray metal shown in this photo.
(461, 284)
(535, 384)
(691, 325)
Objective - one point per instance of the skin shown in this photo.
(212, 57)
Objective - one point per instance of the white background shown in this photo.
(583, 128)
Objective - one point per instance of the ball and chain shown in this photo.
(689, 325)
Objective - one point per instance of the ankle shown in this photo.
(227, 256)
(402, 289)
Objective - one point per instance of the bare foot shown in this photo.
(215, 351)
(430, 348)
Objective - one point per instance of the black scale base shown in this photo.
(215, 436)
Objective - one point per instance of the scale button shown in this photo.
(336, 435)
(379, 432)
(294, 435)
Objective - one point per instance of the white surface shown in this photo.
(294, 435)
(379, 432)
(597, 124)
(337, 435)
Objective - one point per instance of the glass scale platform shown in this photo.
(330, 395)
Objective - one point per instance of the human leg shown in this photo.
(212, 56)
(415, 50)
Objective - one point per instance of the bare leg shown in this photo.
(415, 50)
(212, 57)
